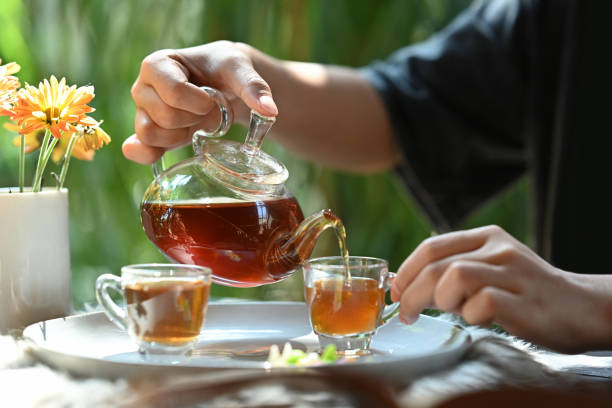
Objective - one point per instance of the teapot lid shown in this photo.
(243, 166)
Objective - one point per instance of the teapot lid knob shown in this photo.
(244, 166)
(258, 128)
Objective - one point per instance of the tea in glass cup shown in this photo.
(165, 305)
(346, 302)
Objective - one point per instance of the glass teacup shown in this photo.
(345, 311)
(165, 305)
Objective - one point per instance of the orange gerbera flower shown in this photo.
(8, 85)
(53, 106)
(34, 140)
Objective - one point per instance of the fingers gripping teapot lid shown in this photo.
(243, 166)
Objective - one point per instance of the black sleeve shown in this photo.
(456, 104)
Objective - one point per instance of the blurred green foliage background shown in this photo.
(103, 42)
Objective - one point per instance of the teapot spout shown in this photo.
(303, 240)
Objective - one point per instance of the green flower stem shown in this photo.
(21, 163)
(45, 158)
(43, 147)
(66, 163)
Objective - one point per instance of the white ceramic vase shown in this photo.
(34, 257)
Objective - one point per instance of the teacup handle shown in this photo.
(227, 118)
(391, 310)
(115, 313)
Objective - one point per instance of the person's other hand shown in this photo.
(486, 276)
(170, 106)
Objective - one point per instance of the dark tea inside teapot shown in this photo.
(228, 208)
(232, 238)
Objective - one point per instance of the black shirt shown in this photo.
(510, 87)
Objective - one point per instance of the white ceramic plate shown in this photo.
(238, 336)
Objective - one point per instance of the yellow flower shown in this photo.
(33, 141)
(8, 69)
(53, 106)
(77, 151)
(8, 85)
(91, 137)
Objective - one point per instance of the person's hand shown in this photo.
(486, 276)
(170, 106)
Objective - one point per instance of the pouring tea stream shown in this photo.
(228, 208)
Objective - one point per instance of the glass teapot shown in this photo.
(228, 208)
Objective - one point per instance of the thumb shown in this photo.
(254, 91)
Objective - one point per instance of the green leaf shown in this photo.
(330, 354)
(295, 356)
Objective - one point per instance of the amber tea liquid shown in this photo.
(340, 307)
(168, 311)
(234, 239)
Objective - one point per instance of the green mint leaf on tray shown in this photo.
(330, 354)
(295, 356)
(290, 357)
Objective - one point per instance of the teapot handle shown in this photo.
(227, 118)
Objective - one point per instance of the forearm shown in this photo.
(328, 114)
